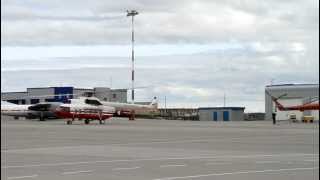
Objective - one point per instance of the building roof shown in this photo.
(83, 89)
(13, 92)
(119, 89)
(219, 108)
(177, 108)
(50, 87)
(277, 85)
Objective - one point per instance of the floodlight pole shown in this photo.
(132, 13)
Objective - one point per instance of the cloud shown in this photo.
(199, 79)
(103, 22)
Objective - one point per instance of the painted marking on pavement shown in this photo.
(267, 162)
(129, 168)
(76, 172)
(172, 165)
(233, 173)
(22, 177)
(311, 160)
(218, 163)
(156, 159)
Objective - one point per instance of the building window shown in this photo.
(114, 96)
(23, 101)
(34, 101)
(49, 100)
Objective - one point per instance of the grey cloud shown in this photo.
(242, 74)
(159, 22)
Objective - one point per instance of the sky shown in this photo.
(193, 53)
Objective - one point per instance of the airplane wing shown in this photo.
(311, 100)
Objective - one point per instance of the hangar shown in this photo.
(297, 94)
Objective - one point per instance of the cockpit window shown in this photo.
(65, 109)
(92, 102)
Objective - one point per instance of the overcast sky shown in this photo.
(192, 52)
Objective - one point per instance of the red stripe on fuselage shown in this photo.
(68, 114)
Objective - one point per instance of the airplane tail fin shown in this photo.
(278, 105)
(275, 100)
(154, 103)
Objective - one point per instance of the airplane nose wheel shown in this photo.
(86, 121)
(102, 121)
(69, 122)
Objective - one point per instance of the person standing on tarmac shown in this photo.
(274, 117)
(274, 114)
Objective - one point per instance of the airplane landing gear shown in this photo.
(132, 116)
(69, 122)
(86, 121)
(41, 116)
(102, 122)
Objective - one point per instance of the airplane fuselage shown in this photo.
(84, 111)
(300, 108)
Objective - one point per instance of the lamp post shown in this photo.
(132, 13)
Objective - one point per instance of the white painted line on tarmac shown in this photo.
(311, 160)
(22, 177)
(218, 163)
(76, 172)
(172, 165)
(128, 168)
(152, 141)
(157, 159)
(233, 173)
(267, 162)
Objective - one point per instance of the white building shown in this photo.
(297, 94)
(62, 94)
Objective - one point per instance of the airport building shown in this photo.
(62, 94)
(221, 113)
(254, 116)
(179, 113)
(296, 94)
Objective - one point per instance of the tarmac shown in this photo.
(147, 149)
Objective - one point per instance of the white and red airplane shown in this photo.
(88, 108)
(80, 110)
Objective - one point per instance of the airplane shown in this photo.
(39, 110)
(79, 109)
(306, 106)
(88, 108)
(122, 109)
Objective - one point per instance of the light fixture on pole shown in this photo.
(132, 13)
